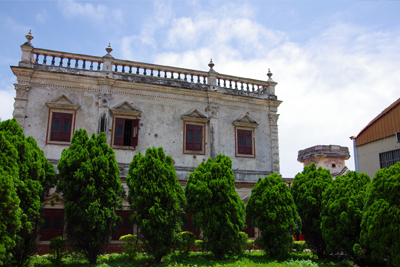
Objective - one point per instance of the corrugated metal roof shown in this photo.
(387, 123)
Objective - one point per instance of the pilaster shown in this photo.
(273, 124)
(21, 101)
(104, 114)
(213, 109)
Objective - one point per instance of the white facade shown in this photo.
(98, 90)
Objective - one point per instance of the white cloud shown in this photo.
(42, 16)
(94, 13)
(141, 46)
(331, 86)
(6, 97)
(14, 26)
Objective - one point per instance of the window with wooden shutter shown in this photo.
(126, 227)
(194, 137)
(61, 126)
(126, 132)
(244, 142)
(53, 224)
(244, 139)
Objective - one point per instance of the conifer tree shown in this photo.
(35, 176)
(157, 199)
(342, 206)
(10, 212)
(381, 217)
(307, 189)
(273, 208)
(210, 193)
(91, 188)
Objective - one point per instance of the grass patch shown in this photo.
(254, 259)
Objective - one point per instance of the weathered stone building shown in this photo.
(331, 157)
(192, 114)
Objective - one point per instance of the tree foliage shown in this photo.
(271, 205)
(307, 189)
(35, 176)
(381, 217)
(210, 193)
(10, 220)
(157, 199)
(91, 188)
(342, 206)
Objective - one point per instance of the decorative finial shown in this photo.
(29, 37)
(109, 49)
(211, 64)
(269, 74)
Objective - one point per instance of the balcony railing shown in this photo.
(126, 67)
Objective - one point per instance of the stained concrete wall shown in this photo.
(162, 105)
(368, 154)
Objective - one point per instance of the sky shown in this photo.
(337, 63)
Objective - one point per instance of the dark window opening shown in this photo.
(389, 158)
(125, 227)
(190, 226)
(103, 123)
(53, 224)
(126, 132)
(249, 227)
(333, 165)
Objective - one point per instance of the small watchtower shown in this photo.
(330, 157)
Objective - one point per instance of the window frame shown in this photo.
(50, 126)
(113, 129)
(125, 214)
(51, 233)
(253, 148)
(203, 137)
(389, 158)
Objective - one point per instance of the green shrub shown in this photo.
(187, 240)
(299, 246)
(381, 217)
(92, 190)
(250, 244)
(10, 213)
(275, 214)
(307, 189)
(200, 245)
(35, 176)
(210, 193)
(300, 263)
(157, 199)
(342, 208)
(242, 242)
(130, 245)
(57, 245)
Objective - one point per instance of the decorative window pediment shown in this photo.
(245, 121)
(126, 109)
(194, 115)
(63, 102)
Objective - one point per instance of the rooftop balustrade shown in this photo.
(56, 61)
